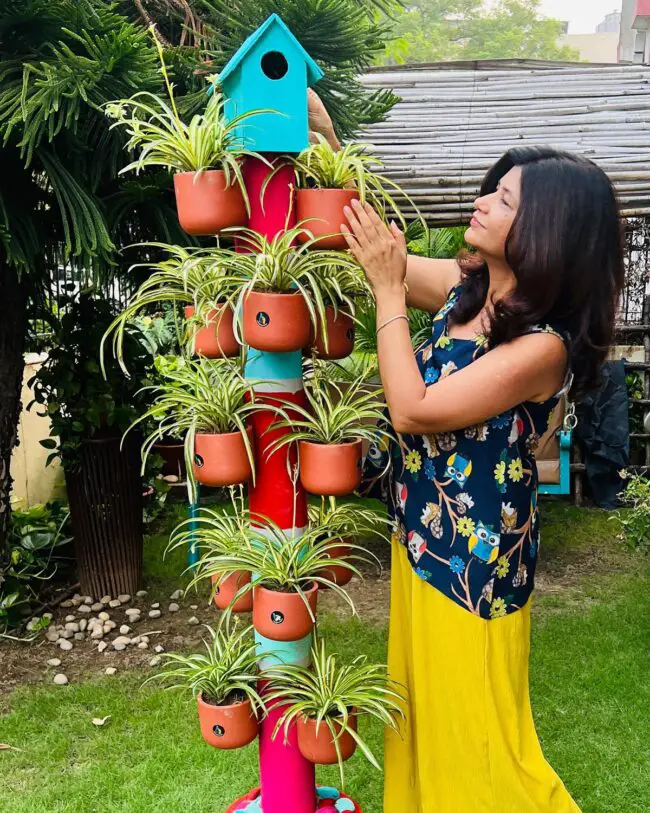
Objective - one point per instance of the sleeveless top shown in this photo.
(464, 503)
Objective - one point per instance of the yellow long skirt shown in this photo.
(469, 743)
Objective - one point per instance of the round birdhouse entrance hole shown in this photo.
(275, 65)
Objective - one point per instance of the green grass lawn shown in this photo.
(590, 688)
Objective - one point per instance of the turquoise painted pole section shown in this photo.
(192, 547)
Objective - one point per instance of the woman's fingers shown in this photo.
(350, 239)
(360, 231)
(378, 224)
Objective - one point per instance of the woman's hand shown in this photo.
(320, 122)
(380, 250)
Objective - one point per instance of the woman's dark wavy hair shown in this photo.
(565, 248)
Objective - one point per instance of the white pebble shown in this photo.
(67, 603)
(88, 600)
(84, 608)
(101, 646)
(194, 606)
(65, 645)
(176, 595)
(66, 634)
(83, 624)
(125, 629)
(111, 670)
(124, 597)
(155, 661)
(143, 645)
(193, 620)
(72, 626)
(71, 618)
(97, 632)
(52, 635)
(144, 638)
(60, 679)
(104, 616)
(159, 648)
(54, 662)
(79, 636)
(154, 613)
(110, 624)
(173, 608)
(48, 615)
(133, 612)
(119, 647)
(155, 606)
(106, 599)
(97, 607)
(142, 594)
(115, 603)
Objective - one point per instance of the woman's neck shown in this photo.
(502, 281)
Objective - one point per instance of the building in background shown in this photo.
(634, 44)
(602, 45)
(611, 24)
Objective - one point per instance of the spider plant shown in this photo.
(278, 560)
(334, 695)
(352, 167)
(202, 396)
(156, 129)
(189, 276)
(334, 414)
(226, 672)
(347, 520)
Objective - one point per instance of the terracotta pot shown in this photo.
(283, 616)
(330, 470)
(227, 727)
(217, 339)
(323, 211)
(221, 460)
(278, 323)
(340, 331)
(337, 573)
(204, 203)
(227, 589)
(319, 747)
(173, 455)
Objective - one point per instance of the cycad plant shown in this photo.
(333, 695)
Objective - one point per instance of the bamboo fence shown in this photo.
(452, 125)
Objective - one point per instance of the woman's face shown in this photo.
(494, 215)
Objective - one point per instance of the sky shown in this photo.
(583, 15)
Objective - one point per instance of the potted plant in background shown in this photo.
(340, 287)
(286, 570)
(347, 523)
(281, 291)
(89, 412)
(215, 534)
(205, 154)
(329, 433)
(195, 278)
(207, 401)
(329, 179)
(223, 680)
(325, 701)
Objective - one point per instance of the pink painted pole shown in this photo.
(288, 783)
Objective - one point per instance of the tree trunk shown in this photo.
(13, 312)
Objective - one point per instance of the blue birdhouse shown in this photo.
(272, 71)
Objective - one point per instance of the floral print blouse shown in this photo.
(464, 503)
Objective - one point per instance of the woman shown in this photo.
(524, 319)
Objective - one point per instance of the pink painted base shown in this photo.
(324, 805)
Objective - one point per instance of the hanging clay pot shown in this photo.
(283, 616)
(322, 209)
(217, 339)
(319, 748)
(206, 204)
(222, 460)
(338, 574)
(229, 587)
(340, 331)
(278, 323)
(227, 727)
(330, 470)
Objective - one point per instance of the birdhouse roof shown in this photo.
(314, 73)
